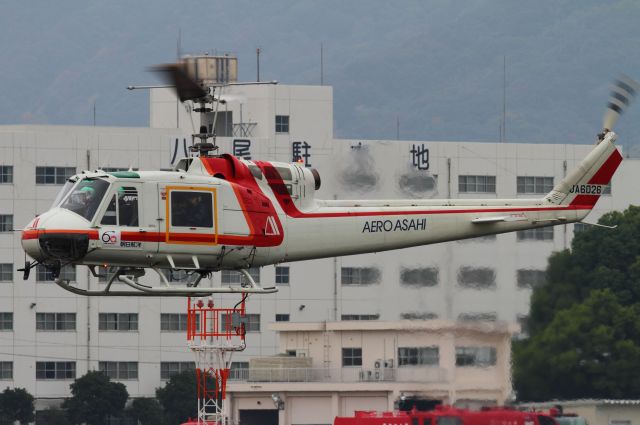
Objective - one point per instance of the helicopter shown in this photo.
(218, 212)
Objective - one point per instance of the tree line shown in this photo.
(95, 398)
(584, 322)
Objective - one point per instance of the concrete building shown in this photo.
(334, 368)
(49, 337)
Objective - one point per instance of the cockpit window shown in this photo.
(85, 197)
(63, 192)
(123, 208)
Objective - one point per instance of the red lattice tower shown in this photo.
(214, 334)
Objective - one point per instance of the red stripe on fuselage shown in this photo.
(257, 207)
(34, 233)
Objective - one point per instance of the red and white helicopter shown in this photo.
(219, 212)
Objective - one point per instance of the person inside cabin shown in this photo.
(200, 214)
(87, 207)
(192, 209)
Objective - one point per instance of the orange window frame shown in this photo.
(168, 210)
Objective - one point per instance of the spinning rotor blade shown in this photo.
(185, 86)
(622, 93)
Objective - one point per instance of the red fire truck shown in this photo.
(447, 415)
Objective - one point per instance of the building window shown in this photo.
(477, 277)
(538, 234)
(55, 370)
(282, 275)
(478, 317)
(239, 371)
(527, 278)
(419, 277)
(6, 174)
(232, 277)
(6, 272)
(360, 275)
(477, 184)
(415, 184)
(579, 227)
(418, 356)
(119, 370)
(282, 123)
(534, 184)
(6, 222)
(45, 275)
(351, 357)
(6, 321)
(282, 317)
(523, 321)
(475, 356)
(105, 273)
(251, 322)
(176, 275)
(413, 315)
(55, 321)
(168, 369)
(360, 317)
(6, 370)
(124, 322)
(53, 175)
(173, 322)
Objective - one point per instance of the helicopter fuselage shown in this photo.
(216, 213)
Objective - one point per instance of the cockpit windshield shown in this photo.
(63, 192)
(86, 196)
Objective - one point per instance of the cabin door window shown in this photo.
(191, 215)
(191, 209)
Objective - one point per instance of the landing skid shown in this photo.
(128, 276)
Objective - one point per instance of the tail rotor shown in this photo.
(623, 91)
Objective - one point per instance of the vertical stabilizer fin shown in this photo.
(585, 184)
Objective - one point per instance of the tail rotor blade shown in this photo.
(622, 93)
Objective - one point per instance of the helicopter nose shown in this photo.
(57, 235)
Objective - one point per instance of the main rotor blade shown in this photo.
(185, 86)
(622, 93)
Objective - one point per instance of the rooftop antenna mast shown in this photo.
(503, 128)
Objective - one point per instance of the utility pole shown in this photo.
(178, 54)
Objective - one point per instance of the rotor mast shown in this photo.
(201, 79)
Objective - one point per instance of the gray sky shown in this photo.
(436, 65)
